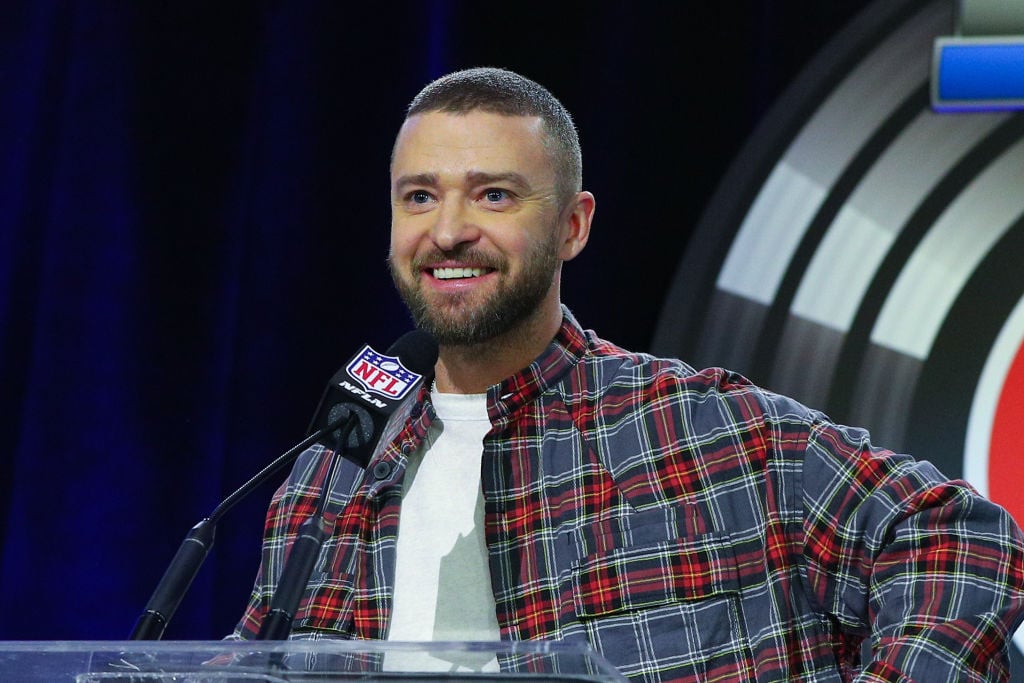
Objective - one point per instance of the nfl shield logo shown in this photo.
(380, 374)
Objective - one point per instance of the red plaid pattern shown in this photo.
(689, 525)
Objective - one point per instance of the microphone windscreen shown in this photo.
(417, 350)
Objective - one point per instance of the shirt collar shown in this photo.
(566, 350)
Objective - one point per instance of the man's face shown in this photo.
(475, 228)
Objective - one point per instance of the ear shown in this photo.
(576, 225)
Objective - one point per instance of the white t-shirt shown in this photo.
(442, 579)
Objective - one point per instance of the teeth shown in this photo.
(453, 273)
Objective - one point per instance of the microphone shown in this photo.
(369, 388)
(402, 368)
(364, 393)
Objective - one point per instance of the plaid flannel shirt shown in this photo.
(690, 526)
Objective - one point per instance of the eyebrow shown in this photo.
(482, 178)
(474, 178)
(424, 179)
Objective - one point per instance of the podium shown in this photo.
(319, 660)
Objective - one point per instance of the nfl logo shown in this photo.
(380, 374)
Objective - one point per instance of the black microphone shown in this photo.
(365, 392)
(369, 388)
(416, 350)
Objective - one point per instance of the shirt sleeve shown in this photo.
(929, 570)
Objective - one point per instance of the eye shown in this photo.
(495, 195)
(419, 197)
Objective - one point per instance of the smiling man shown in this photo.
(549, 484)
(478, 233)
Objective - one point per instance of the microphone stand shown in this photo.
(196, 546)
(419, 350)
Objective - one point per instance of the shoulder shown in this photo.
(614, 391)
(608, 367)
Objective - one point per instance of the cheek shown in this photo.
(517, 235)
(403, 243)
(541, 239)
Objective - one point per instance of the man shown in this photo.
(689, 525)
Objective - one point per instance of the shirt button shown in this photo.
(381, 470)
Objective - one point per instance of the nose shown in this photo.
(453, 226)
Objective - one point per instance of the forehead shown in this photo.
(441, 142)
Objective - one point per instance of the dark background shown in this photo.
(194, 221)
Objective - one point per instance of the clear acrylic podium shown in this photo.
(298, 660)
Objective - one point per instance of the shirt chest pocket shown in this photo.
(635, 578)
(652, 600)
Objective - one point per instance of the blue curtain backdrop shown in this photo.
(193, 227)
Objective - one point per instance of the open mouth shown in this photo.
(458, 273)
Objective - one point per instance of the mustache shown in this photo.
(469, 255)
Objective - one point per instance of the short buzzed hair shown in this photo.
(500, 91)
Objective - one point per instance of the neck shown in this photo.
(472, 369)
